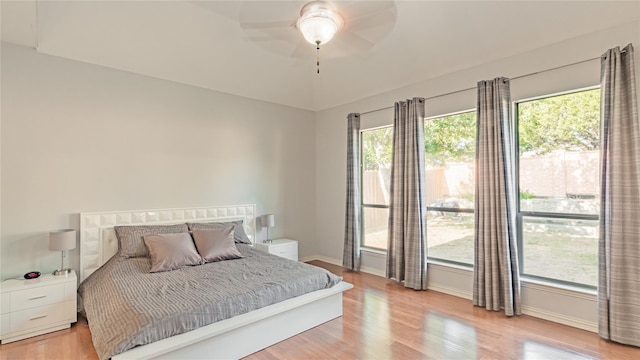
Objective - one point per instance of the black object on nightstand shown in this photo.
(32, 275)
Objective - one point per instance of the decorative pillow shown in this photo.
(240, 236)
(171, 251)
(130, 240)
(216, 244)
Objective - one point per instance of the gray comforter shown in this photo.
(127, 306)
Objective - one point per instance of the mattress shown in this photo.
(126, 306)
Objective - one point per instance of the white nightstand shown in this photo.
(286, 248)
(37, 306)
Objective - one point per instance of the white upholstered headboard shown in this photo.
(98, 242)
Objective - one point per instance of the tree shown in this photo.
(568, 122)
(377, 147)
(450, 139)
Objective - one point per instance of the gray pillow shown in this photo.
(240, 236)
(216, 244)
(171, 251)
(130, 240)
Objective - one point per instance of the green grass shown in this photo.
(558, 256)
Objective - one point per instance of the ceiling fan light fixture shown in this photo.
(318, 22)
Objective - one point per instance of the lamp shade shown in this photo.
(60, 240)
(318, 30)
(268, 220)
(318, 22)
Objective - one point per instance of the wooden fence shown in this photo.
(560, 174)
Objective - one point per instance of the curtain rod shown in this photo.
(475, 87)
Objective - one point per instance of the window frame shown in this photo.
(362, 203)
(447, 209)
(520, 215)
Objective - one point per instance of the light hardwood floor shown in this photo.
(383, 320)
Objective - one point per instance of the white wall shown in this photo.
(78, 137)
(574, 308)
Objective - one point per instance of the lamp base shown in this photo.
(62, 272)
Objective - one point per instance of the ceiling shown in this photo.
(202, 43)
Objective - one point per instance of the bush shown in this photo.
(526, 195)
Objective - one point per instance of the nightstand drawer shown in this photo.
(285, 248)
(39, 296)
(37, 317)
(288, 252)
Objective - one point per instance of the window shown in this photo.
(450, 182)
(558, 182)
(450, 146)
(558, 171)
(377, 146)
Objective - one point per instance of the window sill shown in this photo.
(429, 261)
(526, 281)
(374, 251)
(468, 268)
(540, 284)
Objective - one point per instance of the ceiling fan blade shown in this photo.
(278, 34)
(374, 20)
(354, 10)
(302, 50)
(262, 37)
(351, 42)
(267, 24)
(263, 14)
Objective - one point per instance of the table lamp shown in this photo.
(268, 221)
(62, 240)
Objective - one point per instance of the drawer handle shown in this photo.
(38, 297)
(38, 317)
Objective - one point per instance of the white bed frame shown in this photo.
(228, 339)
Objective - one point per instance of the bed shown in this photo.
(264, 319)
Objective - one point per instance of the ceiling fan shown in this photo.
(352, 27)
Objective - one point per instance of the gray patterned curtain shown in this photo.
(351, 252)
(619, 244)
(496, 278)
(407, 248)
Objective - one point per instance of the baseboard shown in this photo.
(321, 258)
(364, 269)
(527, 310)
(450, 291)
(373, 271)
(561, 319)
(378, 272)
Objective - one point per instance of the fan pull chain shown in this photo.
(318, 56)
